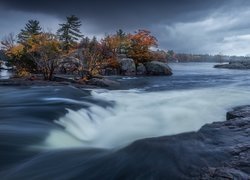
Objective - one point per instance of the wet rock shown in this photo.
(141, 70)
(239, 112)
(102, 82)
(158, 68)
(235, 65)
(127, 66)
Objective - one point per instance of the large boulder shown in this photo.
(158, 68)
(141, 70)
(71, 63)
(127, 66)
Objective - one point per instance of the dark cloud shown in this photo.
(113, 13)
(197, 26)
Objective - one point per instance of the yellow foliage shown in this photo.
(23, 73)
(15, 51)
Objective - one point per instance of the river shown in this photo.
(60, 132)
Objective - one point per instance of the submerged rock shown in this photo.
(103, 82)
(158, 68)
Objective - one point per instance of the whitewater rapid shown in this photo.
(136, 114)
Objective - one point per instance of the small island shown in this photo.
(71, 57)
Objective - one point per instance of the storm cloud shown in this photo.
(191, 26)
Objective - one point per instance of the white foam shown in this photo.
(139, 115)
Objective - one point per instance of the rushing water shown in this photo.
(37, 124)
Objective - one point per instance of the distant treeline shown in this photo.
(182, 57)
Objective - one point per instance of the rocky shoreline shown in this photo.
(62, 81)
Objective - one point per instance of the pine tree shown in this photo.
(120, 33)
(70, 32)
(30, 29)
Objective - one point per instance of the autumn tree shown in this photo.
(112, 45)
(31, 28)
(112, 42)
(141, 42)
(69, 32)
(46, 53)
(17, 55)
(93, 56)
(19, 58)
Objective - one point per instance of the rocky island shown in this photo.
(242, 65)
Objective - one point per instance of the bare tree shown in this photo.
(8, 42)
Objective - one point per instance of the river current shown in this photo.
(56, 132)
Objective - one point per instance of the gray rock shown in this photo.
(121, 56)
(127, 66)
(158, 68)
(141, 70)
(239, 112)
(235, 65)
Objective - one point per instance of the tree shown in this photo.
(19, 58)
(8, 41)
(31, 28)
(93, 56)
(123, 42)
(46, 52)
(69, 32)
(141, 42)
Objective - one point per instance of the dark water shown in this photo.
(64, 132)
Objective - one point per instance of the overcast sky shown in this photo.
(190, 26)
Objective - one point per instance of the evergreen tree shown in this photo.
(69, 32)
(30, 29)
(123, 41)
(120, 33)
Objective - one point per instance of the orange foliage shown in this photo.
(141, 42)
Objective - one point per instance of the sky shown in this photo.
(185, 26)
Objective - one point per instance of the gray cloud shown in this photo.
(111, 14)
(194, 26)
